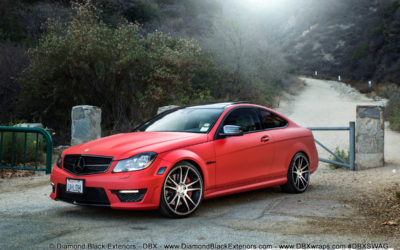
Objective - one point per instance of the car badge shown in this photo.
(86, 150)
(79, 165)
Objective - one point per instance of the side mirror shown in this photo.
(232, 130)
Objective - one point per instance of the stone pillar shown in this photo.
(370, 128)
(86, 122)
(165, 108)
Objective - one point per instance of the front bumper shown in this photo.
(103, 189)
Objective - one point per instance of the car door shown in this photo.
(242, 159)
(275, 125)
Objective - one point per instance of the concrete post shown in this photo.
(370, 128)
(165, 108)
(86, 122)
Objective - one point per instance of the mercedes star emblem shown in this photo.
(79, 165)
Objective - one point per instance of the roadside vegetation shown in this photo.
(20, 150)
(204, 51)
(125, 72)
(393, 111)
(345, 155)
(128, 59)
(391, 92)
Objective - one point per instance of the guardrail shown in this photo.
(23, 165)
(341, 162)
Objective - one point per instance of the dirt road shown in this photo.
(330, 103)
(336, 210)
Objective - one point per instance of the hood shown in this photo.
(122, 146)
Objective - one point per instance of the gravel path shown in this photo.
(330, 103)
(340, 207)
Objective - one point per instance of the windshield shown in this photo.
(194, 120)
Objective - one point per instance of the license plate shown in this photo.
(74, 186)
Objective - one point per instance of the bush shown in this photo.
(386, 90)
(20, 155)
(345, 155)
(128, 74)
(392, 112)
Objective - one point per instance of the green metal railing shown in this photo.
(19, 130)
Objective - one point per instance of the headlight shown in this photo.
(137, 162)
(59, 160)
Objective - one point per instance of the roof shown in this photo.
(221, 105)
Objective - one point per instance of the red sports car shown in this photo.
(182, 156)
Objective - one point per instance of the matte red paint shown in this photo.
(235, 164)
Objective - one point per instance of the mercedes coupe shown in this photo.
(185, 155)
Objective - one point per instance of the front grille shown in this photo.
(86, 164)
(91, 196)
(130, 197)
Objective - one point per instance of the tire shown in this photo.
(298, 176)
(182, 191)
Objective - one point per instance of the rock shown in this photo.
(86, 124)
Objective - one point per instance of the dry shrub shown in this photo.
(386, 90)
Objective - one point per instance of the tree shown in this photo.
(126, 73)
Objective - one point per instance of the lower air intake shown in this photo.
(130, 197)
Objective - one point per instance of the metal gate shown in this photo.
(10, 135)
(341, 162)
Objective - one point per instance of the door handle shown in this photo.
(265, 138)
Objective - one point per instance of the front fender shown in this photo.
(183, 154)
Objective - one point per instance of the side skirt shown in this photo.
(270, 183)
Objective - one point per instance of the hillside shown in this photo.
(223, 50)
(359, 40)
(129, 58)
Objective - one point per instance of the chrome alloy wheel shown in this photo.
(183, 189)
(300, 172)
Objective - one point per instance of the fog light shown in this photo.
(130, 195)
(128, 191)
(53, 187)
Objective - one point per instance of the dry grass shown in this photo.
(12, 173)
(383, 210)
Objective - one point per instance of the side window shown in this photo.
(246, 118)
(271, 120)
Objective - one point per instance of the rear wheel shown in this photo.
(298, 176)
(182, 191)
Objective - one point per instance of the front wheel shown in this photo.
(298, 176)
(182, 191)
